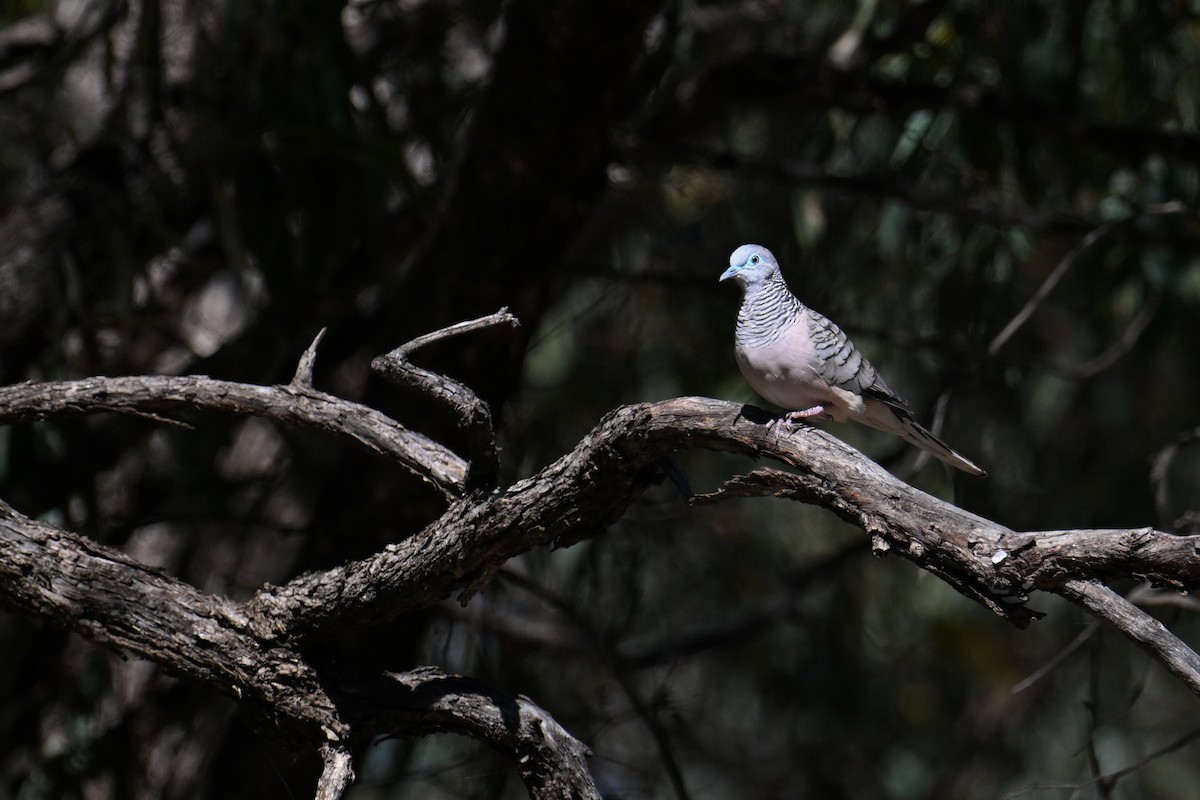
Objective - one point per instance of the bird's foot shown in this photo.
(788, 420)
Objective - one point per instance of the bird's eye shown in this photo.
(754, 259)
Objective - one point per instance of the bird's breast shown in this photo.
(785, 371)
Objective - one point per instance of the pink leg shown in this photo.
(815, 411)
(789, 419)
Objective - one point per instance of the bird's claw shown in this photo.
(788, 420)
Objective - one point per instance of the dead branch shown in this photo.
(292, 404)
(337, 772)
(108, 597)
(252, 650)
(473, 415)
(552, 762)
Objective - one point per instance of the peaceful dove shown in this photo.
(804, 363)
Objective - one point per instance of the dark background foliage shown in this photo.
(200, 187)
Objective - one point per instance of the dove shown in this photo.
(804, 363)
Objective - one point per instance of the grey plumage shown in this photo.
(803, 362)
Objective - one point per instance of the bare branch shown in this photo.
(581, 493)
(553, 763)
(113, 600)
(419, 454)
(250, 650)
(337, 771)
(472, 413)
(1138, 626)
(303, 379)
(1068, 261)
(1160, 470)
(1079, 641)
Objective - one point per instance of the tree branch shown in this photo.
(1068, 261)
(108, 597)
(552, 762)
(337, 772)
(250, 650)
(294, 404)
(1138, 626)
(474, 415)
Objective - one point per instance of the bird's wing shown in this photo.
(843, 366)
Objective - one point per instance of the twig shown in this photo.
(1148, 597)
(501, 317)
(1058, 659)
(885, 186)
(1183, 741)
(1108, 779)
(621, 671)
(1160, 469)
(751, 624)
(1129, 337)
(1068, 261)
(552, 762)
(303, 379)
(474, 416)
(1103, 787)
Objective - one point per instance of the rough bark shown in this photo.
(254, 651)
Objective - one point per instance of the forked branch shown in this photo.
(253, 650)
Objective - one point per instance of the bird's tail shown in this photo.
(898, 421)
(912, 432)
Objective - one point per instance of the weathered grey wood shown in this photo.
(251, 651)
(292, 404)
(473, 415)
(108, 597)
(552, 762)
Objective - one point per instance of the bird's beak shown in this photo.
(729, 273)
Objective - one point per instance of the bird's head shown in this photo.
(750, 264)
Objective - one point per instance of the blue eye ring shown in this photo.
(754, 259)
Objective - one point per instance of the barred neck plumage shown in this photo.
(768, 309)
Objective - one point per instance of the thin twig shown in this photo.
(1183, 741)
(474, 415)
(1160, 469)
(1103, 786)
(1058, 659)
(621, 672)
(303, 379)
(501, 317)
(1145, 596)
(1128, 339)
(1068, 261)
